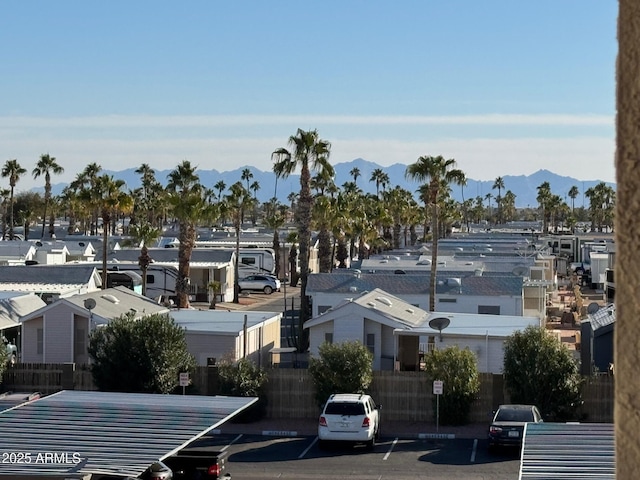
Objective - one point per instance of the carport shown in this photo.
(71, 434)
(568, 451)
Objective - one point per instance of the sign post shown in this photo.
(184, 381)
(438, 387)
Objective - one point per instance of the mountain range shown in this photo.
(523, 186)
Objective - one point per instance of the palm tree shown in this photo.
(247, 176)
(355, 173)
(188, 205)
(13, 171)
(573, 194)
(380, 178)
(144, 234)
(46, 166)
(543, 198)
(110, 200)
(437, 172)
(498, 184)
(236, 203)
(310, 153)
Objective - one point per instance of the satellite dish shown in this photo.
(520, 271)
(439, 323)
(89, 303)
(593, 307)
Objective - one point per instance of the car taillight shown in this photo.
(495, 429)
(366, 422)
(323, 421)
(214, 470)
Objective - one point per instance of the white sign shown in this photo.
(184, 379)
(438, 386)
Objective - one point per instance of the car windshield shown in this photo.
(514, 415)
(343, 408)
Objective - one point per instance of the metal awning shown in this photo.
(576, 451)
(73, 433)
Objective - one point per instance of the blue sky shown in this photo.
(503, 87)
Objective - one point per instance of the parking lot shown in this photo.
(254, 457)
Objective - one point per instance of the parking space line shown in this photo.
(231, 442)
(473, 450)
(304, 452)
(393, 444)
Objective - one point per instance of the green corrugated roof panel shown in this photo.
(75, 432)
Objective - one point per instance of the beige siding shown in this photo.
(30, 341)
(348, 329)
(317, 336)
(58, 336)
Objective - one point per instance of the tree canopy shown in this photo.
(458, 370)
(341, 368)
(539, 370)
(144, 355)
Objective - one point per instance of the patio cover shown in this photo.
(73, 433)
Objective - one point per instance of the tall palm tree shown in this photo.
(144, 234)
(12, 170)
(498, 184)
(46, 166)
(236, 203)
(543, 198)
(380, 178)
(573, 194)
(437, 172)
(188, 205)
(355, 173)
(247, 176)
(110, 200)
(310, 153)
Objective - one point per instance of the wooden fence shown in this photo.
(405, 396)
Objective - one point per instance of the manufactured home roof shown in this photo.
(111, 433)
(110, 303)
(476, 324)
(604, 317)
(568, 451)
(220, 321)
(170, 255)
(354, 283)
(13, 308)
(49, 278)
(389, 309)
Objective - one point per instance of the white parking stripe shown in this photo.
(473, 450)
(393, 444)
(308, 448)
(231, 442)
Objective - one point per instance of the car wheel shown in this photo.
(371, 443)
(268, 290)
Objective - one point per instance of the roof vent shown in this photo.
(411, 311)
(371, 304)
(384, 301)
(353, 288)
(110, 298)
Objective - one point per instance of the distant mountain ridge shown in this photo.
(523, 186)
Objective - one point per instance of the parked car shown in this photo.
(348, 417)
(260, 283)
(507, 427)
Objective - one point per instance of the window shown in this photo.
(151, 279)
(248, 261)
(489, 309)
(447, 300)
(371, 342)
(328, 337)
(40, 341)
